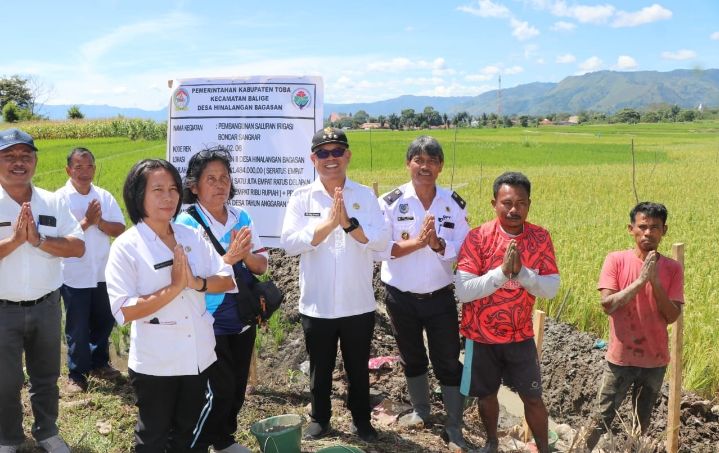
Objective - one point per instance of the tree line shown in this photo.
(429, 117)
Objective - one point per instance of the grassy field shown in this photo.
(582, 192)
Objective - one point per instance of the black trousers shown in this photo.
(355, 335)
(437, 315)
(172, 411)
(228, 379)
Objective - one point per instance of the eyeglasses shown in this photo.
(325, 153)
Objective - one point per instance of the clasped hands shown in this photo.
(25, 227)
(428, 234)
(181, 275)
(338, 212)
(512, 261)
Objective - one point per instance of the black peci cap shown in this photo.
(329, 135)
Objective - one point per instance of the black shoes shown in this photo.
(316, 430)
(364, 431)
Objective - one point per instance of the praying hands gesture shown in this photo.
(512, 262)
(240, 246)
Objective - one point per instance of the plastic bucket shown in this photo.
(279, 434)
(340, 449)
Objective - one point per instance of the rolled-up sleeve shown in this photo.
(539, 285)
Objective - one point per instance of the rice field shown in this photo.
(583, 189)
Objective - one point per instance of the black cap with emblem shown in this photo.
(329, 135)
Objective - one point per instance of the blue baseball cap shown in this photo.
(10, 137)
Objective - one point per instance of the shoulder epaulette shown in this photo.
(392, 196)
(459, 200)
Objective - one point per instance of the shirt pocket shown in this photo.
(404, 227)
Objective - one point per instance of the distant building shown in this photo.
(546, 122)
(574, 119)
(335, 117)
(366, 126)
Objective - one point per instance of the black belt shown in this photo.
(28, 303)
(430, 294)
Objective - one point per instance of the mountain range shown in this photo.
(602, 91)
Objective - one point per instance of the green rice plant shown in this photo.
(582, 192)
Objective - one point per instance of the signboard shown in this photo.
(266, 123)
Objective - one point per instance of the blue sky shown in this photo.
(122, 53)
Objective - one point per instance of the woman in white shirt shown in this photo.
(157, 273)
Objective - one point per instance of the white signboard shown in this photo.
(266, 122)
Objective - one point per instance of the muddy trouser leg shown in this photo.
(407, 329)
(616, 381)
(645, 393)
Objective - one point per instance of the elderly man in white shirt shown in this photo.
(335, 225)
(428, 225)
(88, 320)
(36, 232)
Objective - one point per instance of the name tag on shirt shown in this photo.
(47, 220)
(312, 214)
(4, 224)
(401, 219)
(163, 264)
(448, 225)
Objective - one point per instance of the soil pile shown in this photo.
(571, 368)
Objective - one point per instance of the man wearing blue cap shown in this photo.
(37, 230)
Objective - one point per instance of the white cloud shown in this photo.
(597, 14)
(683, 54)
(563, 26)
(626, 62)
(566, 58)
(490, 72)
(522, 30)
(714, 36)
(643, 16)
(590, 65)
(162, 26)
(486, 8)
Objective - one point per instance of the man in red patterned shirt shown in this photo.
(502, 267)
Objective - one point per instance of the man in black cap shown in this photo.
(37, 230)
(336, 226)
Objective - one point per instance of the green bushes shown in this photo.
(132, 128)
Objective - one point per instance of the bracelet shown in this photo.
(204, 286)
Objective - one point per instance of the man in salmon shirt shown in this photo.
(642, 293)
(502, 267)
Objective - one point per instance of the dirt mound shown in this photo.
(571, 367)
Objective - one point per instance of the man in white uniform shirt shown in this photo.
(336, 226)
(428, 225)
(88, 319)
(36, 232)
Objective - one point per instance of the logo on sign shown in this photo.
(181, 99)
(301, 98)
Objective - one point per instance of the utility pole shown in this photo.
(499, 99)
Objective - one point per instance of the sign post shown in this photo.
(265, 122)
(675, 369)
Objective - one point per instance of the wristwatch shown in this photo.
(204, 286)
(42, 239)
(442, 245)
(354, 224)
